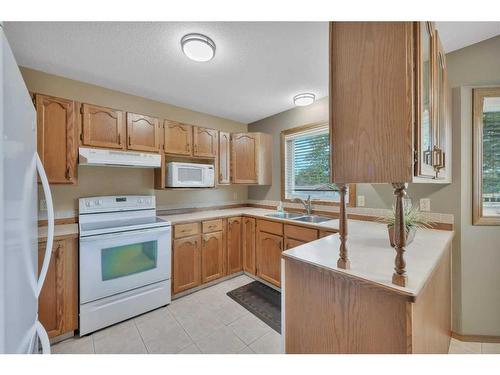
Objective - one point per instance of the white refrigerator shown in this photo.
(20, 282)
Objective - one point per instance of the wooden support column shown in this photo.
(399, 276)
(343, 261)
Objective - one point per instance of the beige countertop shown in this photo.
(372, 258)
(61, 231)
(250, 211)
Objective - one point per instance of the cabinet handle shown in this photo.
(129, 141)
(119, 139)
(67, 174)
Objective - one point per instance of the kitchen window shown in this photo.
(486, 156)
(305, 165)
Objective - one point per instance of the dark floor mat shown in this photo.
(262, 301)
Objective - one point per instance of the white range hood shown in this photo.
(112, 158)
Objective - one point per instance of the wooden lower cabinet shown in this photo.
(58, 301)
(269, 249)
(290, 243)
(186, 263)
(211, 256)
(249, 245)
(234, 251)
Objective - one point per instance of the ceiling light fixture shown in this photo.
(304, 99)
(198, 47)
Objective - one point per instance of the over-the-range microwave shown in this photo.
(190, 175)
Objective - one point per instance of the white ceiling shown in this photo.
(257, 69)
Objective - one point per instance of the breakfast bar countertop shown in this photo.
(372, 257)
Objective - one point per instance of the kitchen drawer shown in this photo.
(324, 233)
(270, 227)
(186, 230)
(212, 225)
(301, 233)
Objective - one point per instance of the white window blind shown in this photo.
(307, 165)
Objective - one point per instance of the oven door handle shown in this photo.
(96, 237)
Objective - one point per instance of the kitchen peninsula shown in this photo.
(359, 310)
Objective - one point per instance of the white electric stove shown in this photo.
(125, 256)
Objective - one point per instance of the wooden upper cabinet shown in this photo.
(234, 251)
(251, 158)
(383, 122)
(224, 158)
(178, 138)
(58, 301)
(143, 133)
(211, 257)
(205, 142)
(57, 138)
(249, 245)
(186, 263)
(103, 127)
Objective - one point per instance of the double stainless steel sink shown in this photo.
(315, 219)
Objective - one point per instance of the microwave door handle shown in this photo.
(96, 237)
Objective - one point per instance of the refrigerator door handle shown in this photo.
(50, 217)
(43, 336)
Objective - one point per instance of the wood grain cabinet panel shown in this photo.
(290, 243)
(58, 301)
(143, 133)
(186, 263)
(57, 138)
(178, 138)
(205, 142)
(250, 156)
(224, 158)
(234, 250)
(248, 244)
(269, 249)
(103, 127)
(395, 98)
(211, 257)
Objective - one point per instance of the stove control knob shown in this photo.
(140, 201)
(100, 202)
(88, 203)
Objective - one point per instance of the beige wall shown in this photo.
(476, 250)
(110, 181)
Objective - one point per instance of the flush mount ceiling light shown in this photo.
(198, 47)
(304, 99)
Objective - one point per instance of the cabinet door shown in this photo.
(224, 157)
(187, 263)
(142, 133)
(57, 138)
(249, 245)
(442, 133)
(244, 149)
(269, 248)
(234, 251)
(425, 116)
(205, 142)
(211, 257)
(58, 301)
(103, 127)
(178, 138)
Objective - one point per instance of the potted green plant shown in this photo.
(414, 219)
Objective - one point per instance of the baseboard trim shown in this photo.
(476, 338)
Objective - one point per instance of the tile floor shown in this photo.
(207, 321)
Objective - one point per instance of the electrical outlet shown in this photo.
(361, 201)
(425, 204)
(43, 205)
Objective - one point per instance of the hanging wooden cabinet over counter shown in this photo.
(251, 157)
(389, 103)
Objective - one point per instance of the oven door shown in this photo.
(117, 262)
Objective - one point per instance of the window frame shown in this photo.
(300, 129)
(477, 156)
